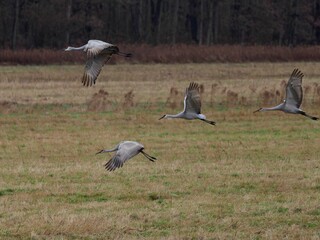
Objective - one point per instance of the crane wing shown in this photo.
(91, 52)
(192, 100)
(116, 161)
(126, 151)
(95, 47)
(294, 93)
(93, 68)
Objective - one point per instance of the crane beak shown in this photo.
(257, 110)
(124, 54)
(99, 152)
(162, 117)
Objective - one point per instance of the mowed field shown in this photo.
(252, 176)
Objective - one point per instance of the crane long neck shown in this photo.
(76, 48)
(179, 115)
(278, 107)
(108, 150)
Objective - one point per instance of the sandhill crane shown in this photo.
(125, 151)
(294, 97)
(192, 106)
(98, 53)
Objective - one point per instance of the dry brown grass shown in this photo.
(100, 102)
(39, 56)
(128, 99)
(180, 53)
(253, 176)
(152, 84)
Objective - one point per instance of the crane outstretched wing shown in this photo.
(93, 68)
(116, 161)
(294, 93)
(95, 47)
(192, 100)
(127, 150)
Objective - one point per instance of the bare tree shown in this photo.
(68, 16)
(209, 31)
(156, 19)
(15, 25)
(200, 33)
(175, 21)
(216, 21)
(140, 23)
(34, 24)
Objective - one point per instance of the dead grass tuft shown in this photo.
(283, 84)
(243, 101)
(201, 88)
(8, 107)
(282, 90)
(232, 98)
(214, 90)
(267, 97)
(174, 99)
(223, 90)
(317, 90)
(128, 99)
(253, 88)
(99, 102)
(307, 89)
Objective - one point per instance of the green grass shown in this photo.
(6, 192)
(252, 176)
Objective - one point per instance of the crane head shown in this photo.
(127, 55)
(257, 110)
(101, 151)
(164, 116)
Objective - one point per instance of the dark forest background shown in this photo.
(164, 31)
(55, 24)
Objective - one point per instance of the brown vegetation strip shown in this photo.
(182, 53)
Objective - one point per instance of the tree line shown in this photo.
(32, 24)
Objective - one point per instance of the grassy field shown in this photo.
(252, 176)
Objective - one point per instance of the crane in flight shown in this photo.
(98, 53)
(125, 151)
(192, 106)
(294, 95)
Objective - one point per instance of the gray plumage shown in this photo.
(192, 106)
(294, 96)
(124, 151)
(98, 53)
